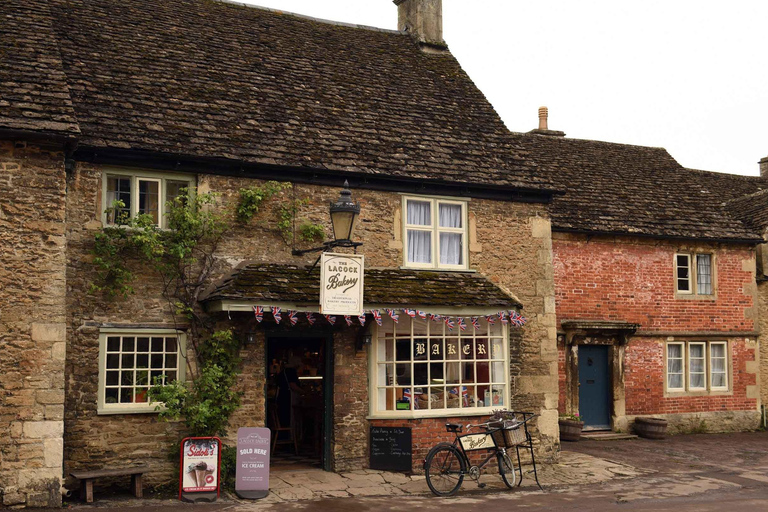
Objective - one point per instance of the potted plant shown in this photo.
(570, 427)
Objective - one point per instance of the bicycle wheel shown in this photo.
(506, 469)
(444, 469)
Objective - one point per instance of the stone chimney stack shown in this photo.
(422, 19)
(764, 168)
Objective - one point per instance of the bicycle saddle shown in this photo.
(453, 427)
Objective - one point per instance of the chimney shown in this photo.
(543, 128)
(423, 20)
(764, 167)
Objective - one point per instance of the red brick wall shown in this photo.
(633, 281)
(644, 381)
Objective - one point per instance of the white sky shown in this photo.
(687, 75)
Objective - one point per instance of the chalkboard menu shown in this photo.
(391, 448)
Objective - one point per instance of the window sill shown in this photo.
(127, 409)
(697, 393)
(445, 413)
(432, 269)
(694, 296)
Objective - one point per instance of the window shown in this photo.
(435, 233)
(693, 274)
(144, 193)
(422, 368)
(697, 366)
(132, 361)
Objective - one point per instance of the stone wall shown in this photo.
(509, 242)
(32, 323)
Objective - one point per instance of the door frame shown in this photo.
(328, 381)
(616, 335)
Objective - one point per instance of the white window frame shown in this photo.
(435, 229)
(103, 407)
(136, 177)
(693, 274)
(682, 366)
(687, 374)
(405, 329)
(705, 366)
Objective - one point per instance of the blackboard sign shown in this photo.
(391, 448)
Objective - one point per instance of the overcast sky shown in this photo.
(689, 76)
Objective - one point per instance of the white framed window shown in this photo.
(421, 368)
(131, 361)
(697, 366)
(693, 274)
(435, 233)
(142, 192)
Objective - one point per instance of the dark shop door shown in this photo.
(594, 387)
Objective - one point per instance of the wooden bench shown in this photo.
(87, 477)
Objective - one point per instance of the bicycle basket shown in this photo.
(509, 435)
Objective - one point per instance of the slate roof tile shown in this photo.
(260, 283)
(215, 79)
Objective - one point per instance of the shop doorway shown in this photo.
(595, 396)
(299, 401)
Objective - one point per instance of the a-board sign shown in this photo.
(391, 448)
(199, 471)
(252, 470)
(341, 284)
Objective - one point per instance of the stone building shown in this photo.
(657, 303)
(104, 100)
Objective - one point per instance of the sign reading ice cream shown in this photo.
(199, 475)
(341, 284)
(252, 470)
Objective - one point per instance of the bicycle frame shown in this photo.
(494, 449)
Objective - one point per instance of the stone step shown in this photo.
(605, 435)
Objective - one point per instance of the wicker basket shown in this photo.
(509, 436)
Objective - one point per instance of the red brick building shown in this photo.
(656, 297)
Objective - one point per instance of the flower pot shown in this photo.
(570, 430)
(651, 428)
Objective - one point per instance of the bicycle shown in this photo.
(447, 463)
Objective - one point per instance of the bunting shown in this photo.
(259, 312)
(361, 319)
(348, 319)
(276, 314)
(310, 318)
(376, 316)
(293, 317)
(331, 319)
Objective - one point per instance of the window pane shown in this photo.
(113, 344)
(119, 189)
(675, 365)
(704, 274)
(697, 380)
(718, 380)
(451, 249)
(683, 273)
(718, 350)
(149, 199)
(674, 351)
(697, 351)
(419, 213)
(697, 365)
(675, 381)
(419, 246)
(174, 189)
(450, 215)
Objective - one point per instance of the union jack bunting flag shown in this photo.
(450, 323)
(410, 312)
(461, 323)
(362, 319)
(475, 322)
(348, 320)
(516, 319)
(259, 312)
(503, 317)
(293, 317)
(434, 317)
(393, 314)
(421, 314)
(310, 318)
(276, 314)
(490, 319)
(331, 319)
(376, 316)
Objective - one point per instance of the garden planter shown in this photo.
(651, 428)
(570, 430)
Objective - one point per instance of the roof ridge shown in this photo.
(576, 139)
(310, 18)
(721, 173)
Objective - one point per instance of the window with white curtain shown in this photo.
(697, 366)
(693, 274)
(435, 233)
(145, 193)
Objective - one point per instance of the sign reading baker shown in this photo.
(341, 284)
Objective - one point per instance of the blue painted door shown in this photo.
(594, 386)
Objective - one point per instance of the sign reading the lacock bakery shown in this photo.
(341, 284)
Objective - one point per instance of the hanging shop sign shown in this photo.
(341, 284)
(252, 470)
(199, 471)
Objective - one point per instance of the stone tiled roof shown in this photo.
(264, 283)
(215, 79)
(637, 190)
(33, 91)
(752, 210)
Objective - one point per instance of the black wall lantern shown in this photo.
(344, 213)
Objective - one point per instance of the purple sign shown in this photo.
(252, 473)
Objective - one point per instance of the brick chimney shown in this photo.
(422, 19)
(764, 167)
(543, 128)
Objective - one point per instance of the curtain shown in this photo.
(704, 274)
(450, 249)
(419, 213)
(450, 215)
(419, 246)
